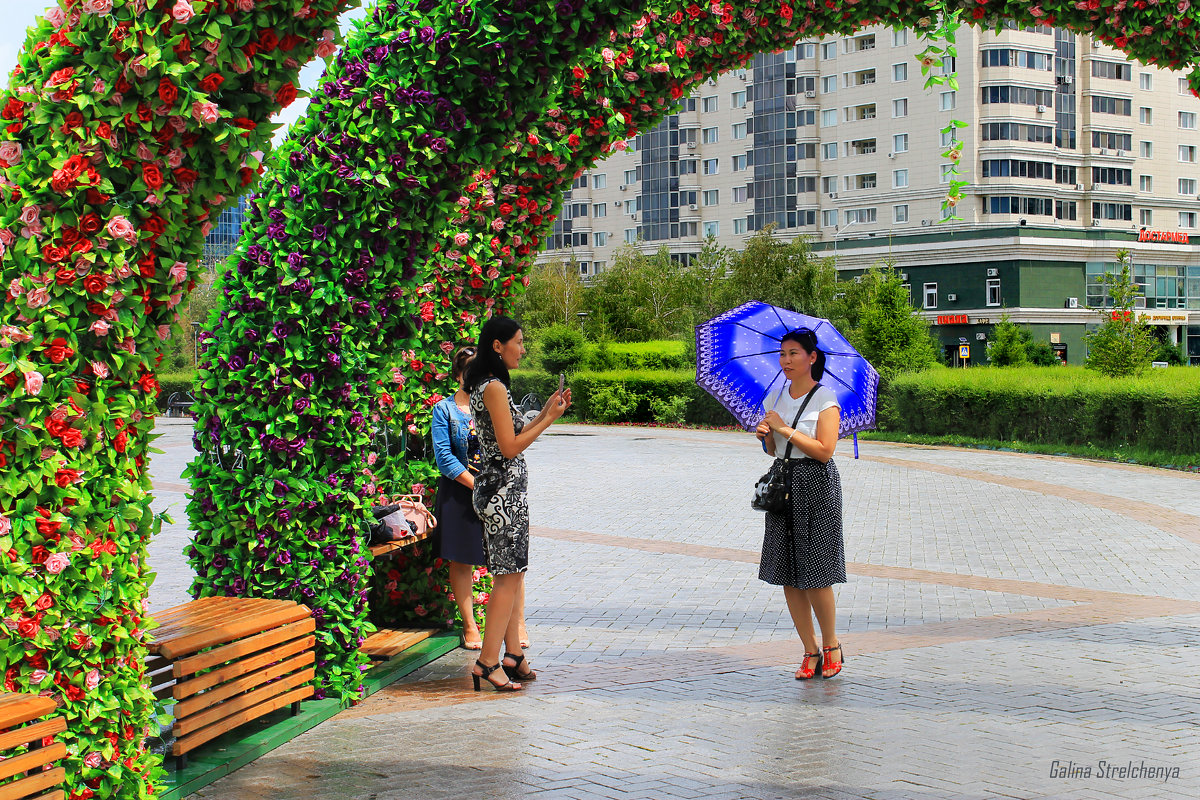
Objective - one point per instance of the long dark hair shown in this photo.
(808, 340)
(461, 359)
(487, 362)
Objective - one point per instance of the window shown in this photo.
(580, 183)
(861, 43)
(829, 84)
(949, 137)
(631, 206)
(1187, 120)
(631, 236)
(1184, 88)
(866, 181)
(600, 239)
(945, 173)
(1187, 219)
(712, 229)
(599, 210)
(993, 291)
(900, 143)
(710, 166)
(741, 163)
(859, 215)
(708, 103)
(739, 225)
(1146, 149)
(829, 50)
(1113, 176)
(861, 147)
(864, 112)
(1102, 104)
(1066, 209)
(687, 166)
(631, 145)
(829, 219)
(1065, 174)
(739, 194)
(806, 50)
(829, 184)
(1120, 211)
(1187, 153)
(708, 135)
(1039, 206)
(1117, 71)
(712, 197)
(1019, 168)
(829, 118)
(1146, 217)
(931, 295)
(583, 267)
(899, 38)
(1112, 141)
(1145, 183)
(864, 77)
(900, 213)
(600, 180)
(900, 107)
(899, 178)
(949, 100)
(598, 267)
(739, 130)
(899, 73)
(1187, 186)
(738, 99)
(829, 151)
(1146, 116)
(1145, 81)
(630, 176)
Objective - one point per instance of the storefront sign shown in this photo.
(952, 319)
(1175, 237)
(1162, 316)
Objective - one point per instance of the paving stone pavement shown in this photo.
(1007, 616)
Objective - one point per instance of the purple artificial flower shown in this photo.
(301, 405)
(294, 193)
(283, 558)
(281, 488)
(295, 260)
(320, 232)
(276, 215)
(356, 419)
(238, 586)
(277, 231)
(427, 34)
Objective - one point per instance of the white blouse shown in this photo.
(786, 407)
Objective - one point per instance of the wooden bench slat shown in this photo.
(230, 708)
(53, 794)
(187, 744)
(32, 760)
(387, 548)
(17, 708)
(232, 612)
(199, 683)
(387, 643)
(192, 609)
(20, 790)
(193, 642)
(198, 702)
(245, 646)
(32, 733)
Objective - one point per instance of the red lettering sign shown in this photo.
(952, 319)
(1175, 237)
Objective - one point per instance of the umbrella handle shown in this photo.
(856, 445)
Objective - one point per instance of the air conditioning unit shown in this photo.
(904, 276)
(1041, 109)
(617, 203)
(1121, 154)
(634, 216)
(833, 195)
(891, 155)
(691, 145)
(1095, 223)
(1072, 302)
(622, 187)
(1079, 187)
(810, 95)
(1062, 80)
(993, 272)
(1103, 151)
(742, 75)
(951, 297)
(925, 223)
(693, 206)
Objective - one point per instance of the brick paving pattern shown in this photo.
(1003, 612)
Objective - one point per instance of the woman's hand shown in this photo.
(773, 421)
(558, 404)
(762, 431)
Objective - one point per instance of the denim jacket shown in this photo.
(449, 430)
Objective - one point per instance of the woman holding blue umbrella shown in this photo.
(803, 550)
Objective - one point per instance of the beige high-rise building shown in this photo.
(1072, 151)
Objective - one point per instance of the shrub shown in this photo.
(611, 402)
(561, 347)
(669, 411)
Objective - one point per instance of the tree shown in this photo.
(785, 274)
(1123, 344)
(1007, 347)
(554, 296)
(890, 332)
(641, 297)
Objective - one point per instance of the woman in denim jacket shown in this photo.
(457, 454)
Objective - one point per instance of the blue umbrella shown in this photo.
(737, 362)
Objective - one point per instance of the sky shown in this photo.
(18, 15)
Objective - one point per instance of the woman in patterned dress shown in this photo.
(500, 495)
(803, 550)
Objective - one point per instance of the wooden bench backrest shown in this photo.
(16, 712)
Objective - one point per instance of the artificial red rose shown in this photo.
(95, 283)
(62, 180)
(146, 266)
(212, 82)
(289, 42)
(43, 602)
(58, 351)
(13, 109)
(73, 120)
(61, 76)
(148, 383)
(183, 48)
(286, 95)
(39, 553)
(144, 114)
(29, 626)
(164, 135)
(268, 40)
(69, 236)
(53, 254)
(152, 176)
(72, 437)
(97, 309)
(120, 441)
(186, 175)
(90, 222)
(65, 276)
(167, 92)
(247, 175)
(74, 693)
(65, 477)
(155, 224)
(82, 246)
(56, 427)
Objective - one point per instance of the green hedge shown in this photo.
(172, 382)
(651, 392)
(1053, 405)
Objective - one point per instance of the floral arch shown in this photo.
(407, 206)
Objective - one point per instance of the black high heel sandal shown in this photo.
(507, 686)
(514, 672)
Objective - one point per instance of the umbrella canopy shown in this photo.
(737, 362)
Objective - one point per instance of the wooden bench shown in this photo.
(387, 643)
(20, 732)
(228, 660)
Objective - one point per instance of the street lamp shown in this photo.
(836, 233)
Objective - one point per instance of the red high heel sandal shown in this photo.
(808, 673)
(836, 666)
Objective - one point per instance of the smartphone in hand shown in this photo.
(562, 380)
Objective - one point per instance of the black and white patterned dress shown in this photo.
(501, 496)
(804, 549)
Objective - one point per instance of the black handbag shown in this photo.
(773, 491)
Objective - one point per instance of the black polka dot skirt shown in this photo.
(804, 549)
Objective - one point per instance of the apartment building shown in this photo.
(1073, 153)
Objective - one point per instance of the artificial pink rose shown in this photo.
(37, 297)
(205, 112)
(164, 332)
(94, 759)
(120, 228)
(325, 49)
(99, 7)
(245, 5)
(461, 238)
(57, 562)
(5, 526)
(10, 154)
(37, 676)
(99, 369)
(182, 12)
(92, 680)
(15, 288)
(178, 271)
(56, 16)
(174, 158)
(100, 327)
(30, 214)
